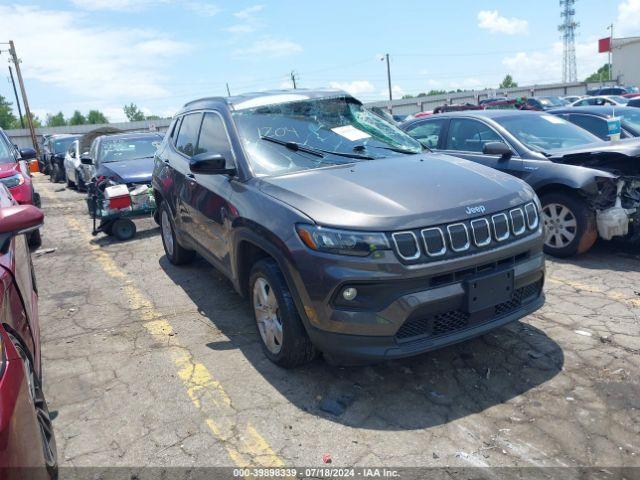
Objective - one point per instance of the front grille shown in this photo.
(470, 236)
(453, 321)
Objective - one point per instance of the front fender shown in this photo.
(583, 179)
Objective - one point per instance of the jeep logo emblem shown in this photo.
(476, 209)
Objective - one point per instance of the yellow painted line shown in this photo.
(619, 297)
(244, 445)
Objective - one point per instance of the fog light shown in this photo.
(349, 293)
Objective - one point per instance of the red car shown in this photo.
(27, 444)
(15, 175)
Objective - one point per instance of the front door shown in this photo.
(466, 138)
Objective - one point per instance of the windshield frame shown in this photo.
(373, 152)
(101, 150)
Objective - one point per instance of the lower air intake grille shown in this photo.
(456, 320)
(449, 322)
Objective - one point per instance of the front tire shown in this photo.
(284, 340)
(57, 174)
(570, 225)
(176, 253)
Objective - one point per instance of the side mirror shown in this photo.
(18, 219)
(27, 153)
(86, 160)
(210, 164)
(497, 148)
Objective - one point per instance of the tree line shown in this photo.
(8, 120)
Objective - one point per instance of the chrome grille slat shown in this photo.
(467, 244)
(415, 241)
(443, 250)
(487, 240)
(500, 238)
(517, 231)
(531, 212)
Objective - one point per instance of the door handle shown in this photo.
(165, 160)
(191, 177)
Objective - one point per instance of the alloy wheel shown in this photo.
(560, 225)
(265, 305)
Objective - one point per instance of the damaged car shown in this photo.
(347, 236)
(120, 167)
(588, 187)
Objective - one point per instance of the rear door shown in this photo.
(466, 138)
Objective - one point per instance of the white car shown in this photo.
(602, 100)
(72, 167)
(573, 98)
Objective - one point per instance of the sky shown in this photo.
(159, 54)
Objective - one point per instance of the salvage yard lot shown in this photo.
(148, 364)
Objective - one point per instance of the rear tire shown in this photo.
(569, 223)
(285, 342)
(56, 174)
(176, 253)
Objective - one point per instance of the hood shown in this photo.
(8, 169)
(128, 171)
(621, 157)
(398, 192)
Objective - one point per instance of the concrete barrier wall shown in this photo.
(411, 106)
(22, 137)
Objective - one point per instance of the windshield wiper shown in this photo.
(360, 148)
(318, 152)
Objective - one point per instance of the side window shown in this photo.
(72, 150)
(188, 134)
(468, 135)
(213, 137)
(427, 133)
(595, 125)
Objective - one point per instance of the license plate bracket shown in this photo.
(489, 290)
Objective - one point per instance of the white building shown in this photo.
(626, 60)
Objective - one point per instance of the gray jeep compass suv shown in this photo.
(346, 235)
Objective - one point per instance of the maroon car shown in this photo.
(27, 444)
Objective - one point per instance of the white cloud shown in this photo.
(117, 5)
(248, 12)
(355, 88)
(492, 21)
(269, 47)
(628, 23)
(240, 28)
(546, 66)
(105, 65)
(202, 8)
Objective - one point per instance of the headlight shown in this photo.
(13, 180)
(344, 242)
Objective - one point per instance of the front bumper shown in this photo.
(410, 309)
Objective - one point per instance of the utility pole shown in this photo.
(389, 77)
(16, 62)
(293, 79)
(228, 91)
(15, 92)
(610, 28)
